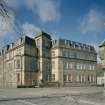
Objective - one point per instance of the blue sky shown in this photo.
(78, 20)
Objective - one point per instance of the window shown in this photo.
(9, 66)
(18, 77)
(84, 78)
(78, 65)
(65, 53)
(70, 77)
(93, 67)
(79, 46)
(70, 43)
(19, 51)
(76, 45)
(81, 78)
(66, 65)
(90, 67)
(84, 66)
(65, 78)
(45, 53)
(49, 77)
(72, 54)
(90, 78)
(67, 42)
(47, 65)
(38, 63)
(46, 43)
(81, 66)
(93, 78)
(53, 53)
(18, 65)
(33, 64)
(10, 54)
(78, 55)
(71, 65)
(53, 77)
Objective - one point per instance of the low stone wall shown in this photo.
(52, 84)
(68, 84)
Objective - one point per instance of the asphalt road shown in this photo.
(53, 96)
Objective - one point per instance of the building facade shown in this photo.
(102, 57)
(18, 63)
(102, 54)
(29, 62)
(73, 63)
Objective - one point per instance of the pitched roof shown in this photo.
(30, 41)
(43, 34)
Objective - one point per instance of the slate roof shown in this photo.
(43, 34)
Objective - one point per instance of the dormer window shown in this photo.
(70, 43)
(65, 42)
(76, 45)
(73, 44)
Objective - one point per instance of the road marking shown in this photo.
(26, 102)
(88, 102)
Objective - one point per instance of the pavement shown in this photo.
(53, 96)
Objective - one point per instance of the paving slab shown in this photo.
(53, 96)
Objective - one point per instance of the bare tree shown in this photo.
(4, 9)
(5, 12)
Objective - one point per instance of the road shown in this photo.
(53, 96)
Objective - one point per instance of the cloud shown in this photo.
(15, 4)
(6, 24)
(1, 44)
(47, 10)
(30, 29)
(93, 22)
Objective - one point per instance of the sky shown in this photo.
(78, 20)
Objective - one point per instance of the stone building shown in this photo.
(18, 63)
(73, 63)
(28, 62)
(102, 57)
(102, 54)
